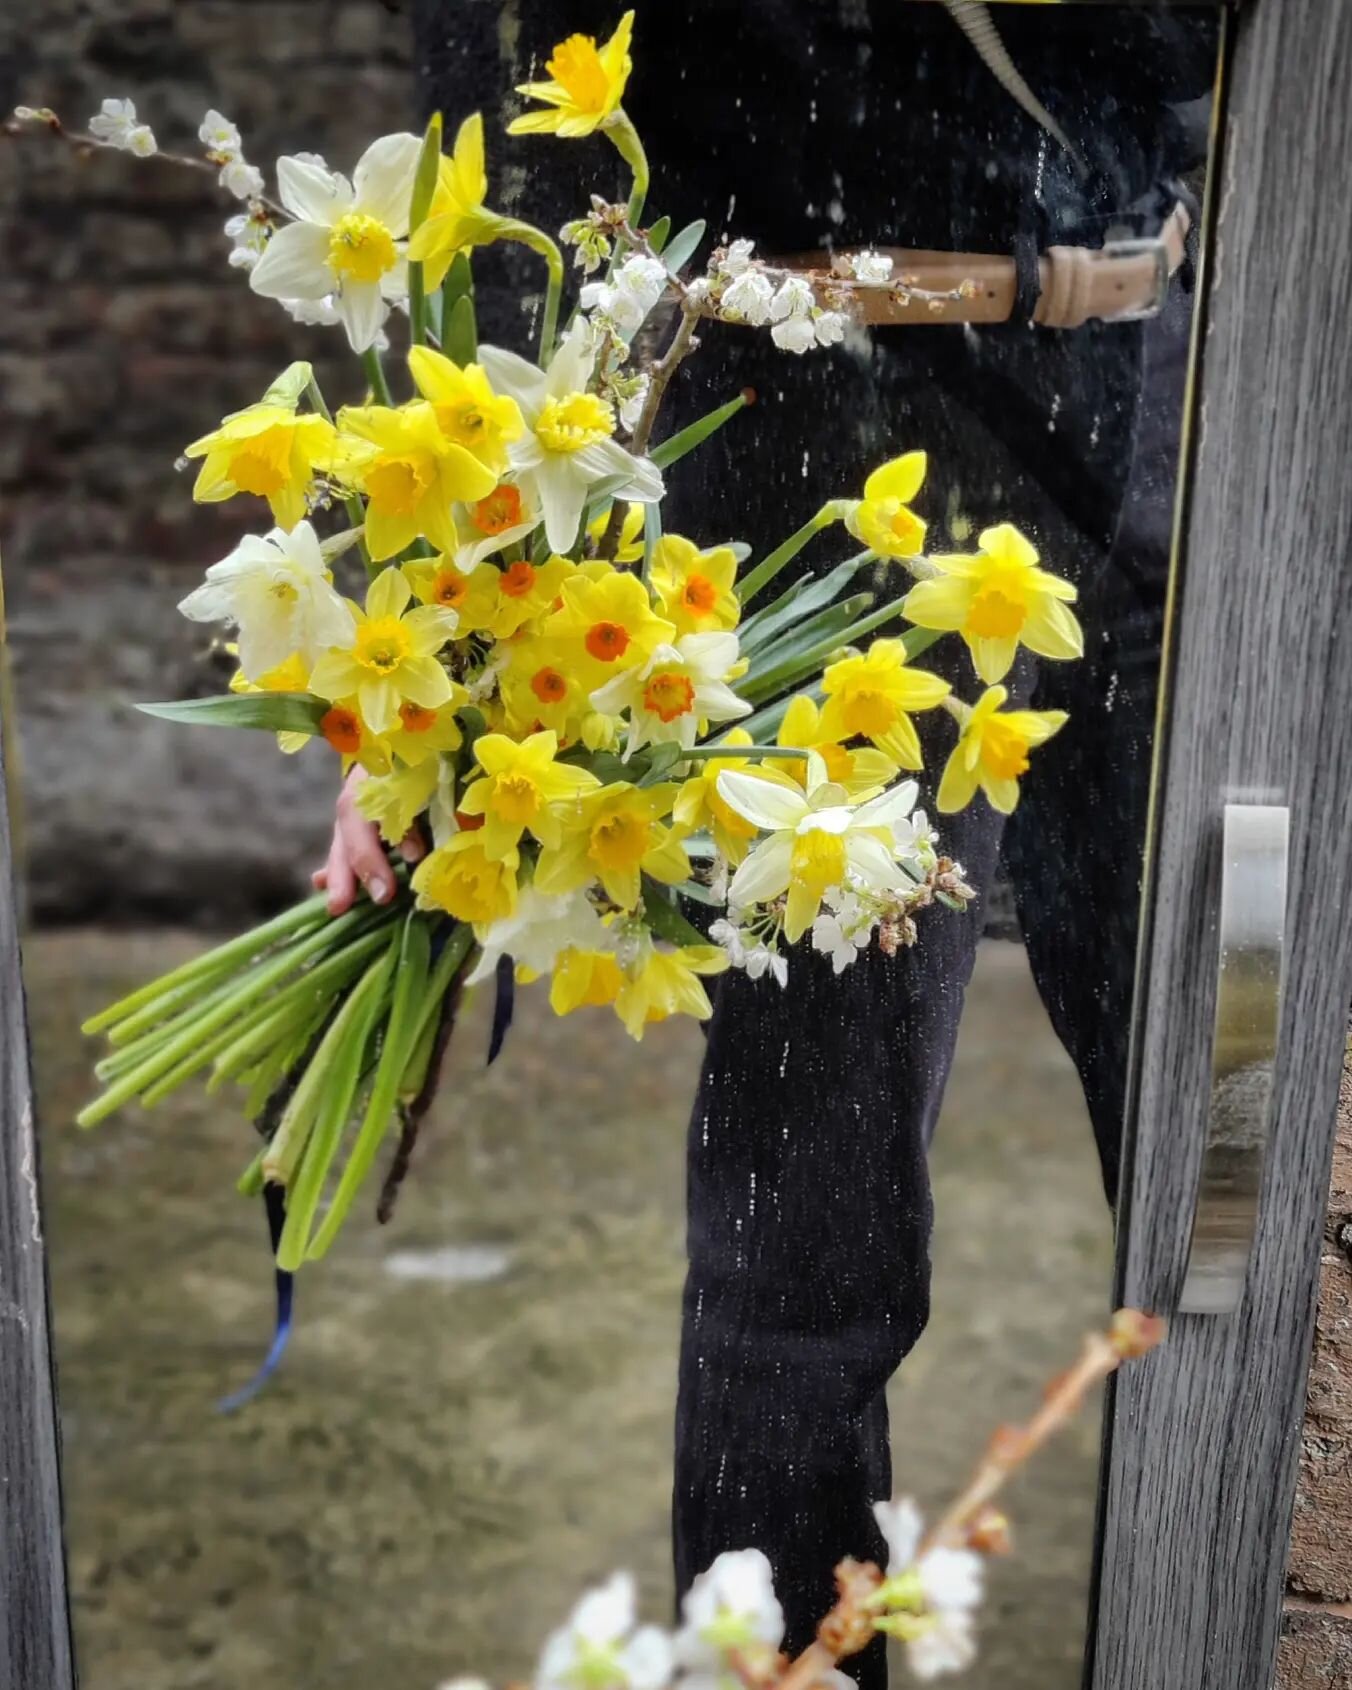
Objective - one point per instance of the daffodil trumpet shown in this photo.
(577, 717)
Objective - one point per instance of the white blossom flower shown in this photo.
(762, 959)
(698, 290)
(793, 298)
(248, 237)
(834, 936)
(729, 936)
(219, 136)
(276, 588)
(538, 930)
(747, 299)
(630, 294)
(566, 448)
(829, 327)
(678, 690)
(731, 1606)
(737, 260)
(630, 408)
(871, 267)
(794, 334)
(817, 840)
(115, 124)
(946, 1645)
(599, 1644)
(243, 180)
(348, 238)
(916, 838)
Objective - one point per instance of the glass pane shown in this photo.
(839, 1235)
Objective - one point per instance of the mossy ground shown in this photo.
(443, 1463)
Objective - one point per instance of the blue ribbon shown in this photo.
(274, 1204)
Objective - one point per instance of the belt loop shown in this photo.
(1027, 277)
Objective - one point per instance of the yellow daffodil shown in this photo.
(467, 410)
(861, 770)
(606, 624)
(457, 219)
(585, 88)
(488, 599)
(699, 804)
(584, 979)
(270, 450)
(522, 790)
(410, 473)
(872, 696)
(538, 690)
(422, 734)
(462, 879)
(616, 835)
(395, 800)
(992, 752)
(631, 532)
(695, 587)
(342, 727)
(998, 600)
(883, 519)
(392, 657)
(667, 983)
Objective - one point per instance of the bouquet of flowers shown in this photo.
(574, 722)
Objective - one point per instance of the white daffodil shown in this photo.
(348, 237)
(600, 1645)
(276, 589)
(731, 1606)
(566, 449)
(537, 932)
(115, 125)
(818, 840)
(676, 692)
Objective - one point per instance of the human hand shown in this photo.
(357, 854)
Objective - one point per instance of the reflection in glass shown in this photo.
(477, 1417)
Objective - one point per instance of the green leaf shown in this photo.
(681, 247)
(801, 600)
(425, 176)
(276, 712)
(765, 571)
(674, 448)
(817, 633)
(459, 333)
(665, 919)
(659, 234)
(290, 385)
(661, 758)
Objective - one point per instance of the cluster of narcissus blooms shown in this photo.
(540, 680)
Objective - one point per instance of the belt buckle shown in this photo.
(1151, 246)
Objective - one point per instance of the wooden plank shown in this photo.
(1200, 1464)
(35, 1641)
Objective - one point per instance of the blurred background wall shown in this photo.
(124, 334)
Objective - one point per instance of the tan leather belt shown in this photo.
(1119, 281)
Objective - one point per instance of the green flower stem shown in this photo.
(625, 139)
(172, 1051)
(767, 721)
(456, 955)
(510, 229)
(702, 753)
(352, 502)
(250, 1182)
(424, 186)
(266, 1074)
(765, 572)
(302, 1000)
(247, 946)
(375, 375)
(348, 1033)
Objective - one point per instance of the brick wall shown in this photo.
(1316, 1648)
(123, 335)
